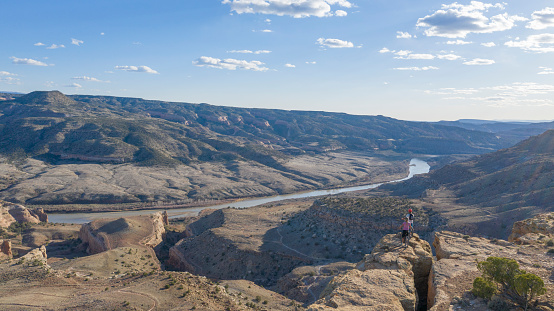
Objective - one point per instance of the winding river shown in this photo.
(417, 166)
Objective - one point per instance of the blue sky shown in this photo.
(424, 60)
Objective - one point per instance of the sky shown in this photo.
(410, 60)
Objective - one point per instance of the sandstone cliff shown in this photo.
(5, 249)
(452, 275)
(10, 213)
(390, 278)
(105, 234)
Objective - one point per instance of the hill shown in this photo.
(81, 149)
(487, 193)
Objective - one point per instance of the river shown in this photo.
(417, 166)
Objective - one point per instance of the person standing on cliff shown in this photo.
(405, 227)
(410, 217)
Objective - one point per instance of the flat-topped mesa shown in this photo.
(10, 213)
(392, 277)
(105, 234)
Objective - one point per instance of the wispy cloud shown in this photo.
(341, 13)
(229, 64)
(290, 66)
(545, 71)
(542, 19)
(479, 62)
(417, 68)
(91, 79)
(403, 35)
(74, 85)
(8, 78)
(27, 61)
(458, 42)
(457, 20)
(488, 44)
(144, 69)
(296, 8)
(311, 63)
(524, 94)
(541, 43)
(39, 44)
(76, 42)
(249, 52)
(55, 46)
(334, 43)
(449, 56)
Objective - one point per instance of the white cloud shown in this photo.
(229, 64)
(145, 69)
(385, 50)
(458, 42)
(294, 8)
(405, 54)
(102, 33)
(267, 20)
(85, 78)
(290, 66)
(77, 41)
(311, 63)
(55, 46)
(27, 61)
(417, 68)
(75, 85)
(340, 13)
(525, 94)
(449, 56)
(39, 44)
(488, 44)
(5, 73)
(545, 71)
(541, 43)
(403, 35)
(249, 52)
(542, 19)
(457, 20)
(266, 30)
(334, 43)
(479, 62)
(10, 80)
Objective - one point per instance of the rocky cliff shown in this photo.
(5, 249)
(105, 234)
(10, 213)
(392, 277)
(453, 273)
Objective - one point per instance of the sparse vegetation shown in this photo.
(503, 276)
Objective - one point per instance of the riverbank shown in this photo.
(416, 166)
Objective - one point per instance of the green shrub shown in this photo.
(528, 286)
(520, 286)
(498, 304)
(484, 288)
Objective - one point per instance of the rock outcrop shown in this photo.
(452, 275)
(392, 277)
(105, 234)
(10, 213)
(6, 249)
(531, 230)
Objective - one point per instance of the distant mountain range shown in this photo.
(101, 149)
(114, 129)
